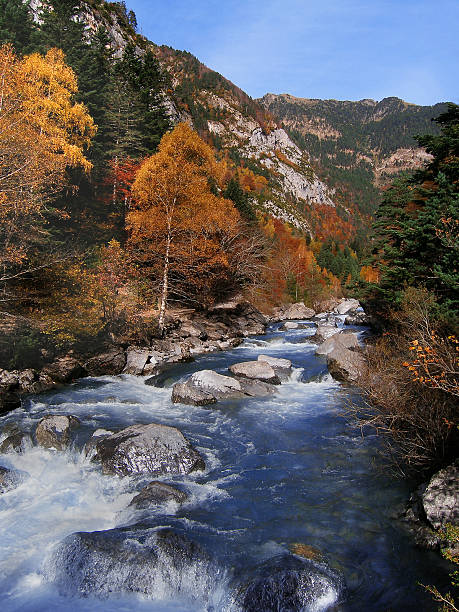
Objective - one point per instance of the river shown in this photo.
(284, 473)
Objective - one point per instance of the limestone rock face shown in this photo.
(53, 431)
(345, 365)
(441, 497)
(348, 341)
(156, 493)
(260, 370)
(148, 449)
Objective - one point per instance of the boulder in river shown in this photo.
(282, 367)
(323, 331)
(346, 306)
(288, 325)
(154, 563)
(344, 364)
(290, 584)
(15, 441)
(142, 361)
(9, 479)
(296, 312)
(206, 387)
(260, 370)
(90, 448)
(358, 318)
(53, 431)
(349, 341)
(440, 499)
(155, 493)
(148, 449)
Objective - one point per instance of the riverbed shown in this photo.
(284, 474)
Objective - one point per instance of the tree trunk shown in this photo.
(164, 292)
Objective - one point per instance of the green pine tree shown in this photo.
(17, 26)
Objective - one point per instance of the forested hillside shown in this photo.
(357, 147)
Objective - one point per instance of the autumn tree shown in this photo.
(177, 222)
(42, 132)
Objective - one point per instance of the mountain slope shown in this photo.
(356, 146)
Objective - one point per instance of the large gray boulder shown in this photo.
(53, 431)
(440, 500)
(148, 449)
(110, 362)
(349, 341)
(155, 493)
(140, 560)
(298, 311)
(346, 306)
(289, 583)
(260, 370)
(206, 387)
(344, 364)
(323, 331)
(282, 367)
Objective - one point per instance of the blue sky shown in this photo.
(342, 49)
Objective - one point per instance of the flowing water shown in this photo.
(281, 472)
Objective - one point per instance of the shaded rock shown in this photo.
(289, 584)
(298, 311)
(348, 341)
(156, 493)
(110, 362)
(440, 499)
(344, 364)
(9, 398)
(359, 318)
(414, 520)
(64, 370)
(53, 431)
(261, 370)
(143, 449)
(8, 380)
(346, 306)
(282, 367)
(16, 441)
(90, 447)
(132, 560)
(191, 328)
(256, 388)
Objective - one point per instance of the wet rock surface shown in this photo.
(206, 387)
(282, 367)
(111, 362)
(9, 479)
(15, 441)
(64, 370)
(289, 584)
(53, 431)
(132, 560)
(155, 493)
(142, 449)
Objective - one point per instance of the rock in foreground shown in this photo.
(289, 584)
(148, 449)
(53, 431)
(157, 564)
(344, 364)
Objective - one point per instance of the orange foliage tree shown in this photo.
(177, 224)
(42, 132)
